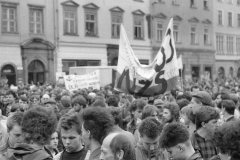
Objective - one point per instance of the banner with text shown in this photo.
(90, 80)
(147, 80)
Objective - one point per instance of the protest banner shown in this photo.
(147, 80)
(75, 82)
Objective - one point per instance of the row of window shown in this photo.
(193, 3)
(9, 19)
(91, 21)
(229, 18)
(225, 44)
(193, 34)
(230, 1)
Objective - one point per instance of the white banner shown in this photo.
(147, 80)
(75, 82)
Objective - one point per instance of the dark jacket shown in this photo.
(28, 152)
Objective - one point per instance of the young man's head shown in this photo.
(38, 125)
(78, 103)
(175, 139)
(14, 128)
(170, 112)
(150, 130)
(150, 111)
(70, 128)
(206, 119)
(228, 107)
(96, 124)
(202, 98)
(122, 148)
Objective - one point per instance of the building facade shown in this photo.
(27, 41)
(193, 33)
(227, 37)
(89, 30)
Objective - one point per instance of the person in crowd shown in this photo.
(52, 148)
(170, 112)
(65, 104)
(99, 103)
(227, 139)
(228, 108)
(112, 101)
(175, 138)
(150, 111)
(10, 98)
(117, 146)
(187, 117)
(38, 125)
(70, 128)
(14, 132)
(96, 124)
(79, 103)
(148, 146)
(202, 98)
(202, 139)
(136, 114)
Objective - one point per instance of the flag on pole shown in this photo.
(147, 80)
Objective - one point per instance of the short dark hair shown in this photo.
(122, 142)
(205, 114)
(70, 120)
(148, 111)
(150, 127)
(38, 125)
(117, 115)
(173, 108)
(113, 100)
(98, 121)
(14, 119)
(229, 106)
(137, 104)
(226, 137)
(99, 103)
(173, 134)
(182, 103)
(79, 100)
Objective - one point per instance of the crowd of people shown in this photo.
(198, 122)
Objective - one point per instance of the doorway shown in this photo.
(8, 71)
(36, 72)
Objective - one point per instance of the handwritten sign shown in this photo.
(75, 82)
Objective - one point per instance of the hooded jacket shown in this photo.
(28, 152)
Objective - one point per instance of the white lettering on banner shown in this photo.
(74, 82)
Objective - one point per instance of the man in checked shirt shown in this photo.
(202, 139)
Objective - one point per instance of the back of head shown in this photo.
(98, 121)
(113, 100)
(173, 134)
(205, 114)
(38, 125)
(227, 139)
(122, 143)
(229, 106)
(66, 101)
(182, 103)
(150, 127)
(117, 115)
(99, 103)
